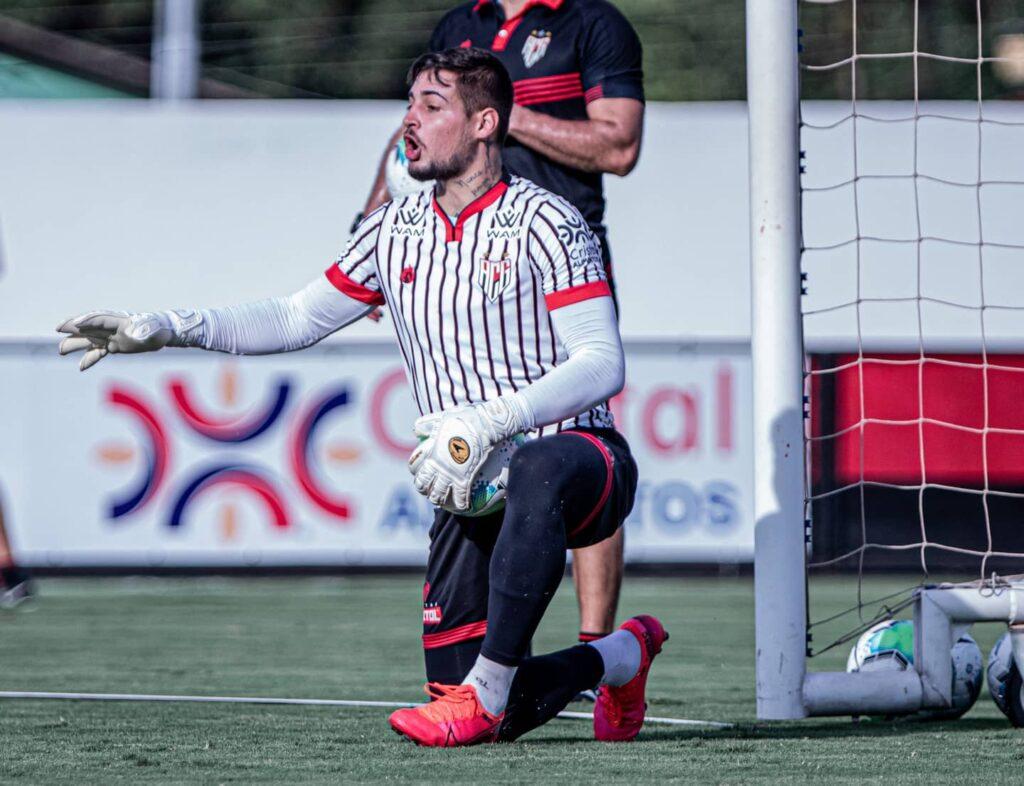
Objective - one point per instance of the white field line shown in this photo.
(19, 694)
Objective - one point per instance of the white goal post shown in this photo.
(785, 687)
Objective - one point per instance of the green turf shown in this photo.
(358, 638)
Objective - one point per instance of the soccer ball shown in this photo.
(1004, 681)
(396, 174)
(887, 645)
(487, 491)
(890, 645)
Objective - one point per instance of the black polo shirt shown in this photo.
(561, 54)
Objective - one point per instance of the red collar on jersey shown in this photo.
(453, 234)
(554, 5)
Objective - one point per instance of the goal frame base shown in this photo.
(941, 615)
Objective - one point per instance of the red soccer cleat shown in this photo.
(619, 711)
(453, 719)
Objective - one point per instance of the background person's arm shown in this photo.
(607, 141)
(379, 190)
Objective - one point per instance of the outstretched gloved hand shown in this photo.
(101, 333)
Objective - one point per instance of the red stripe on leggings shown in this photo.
(608, 462)
(473, 630)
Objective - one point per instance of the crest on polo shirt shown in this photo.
(495, 276)
(535, 47)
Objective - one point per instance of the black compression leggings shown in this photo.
(554, 487)
(568, 490)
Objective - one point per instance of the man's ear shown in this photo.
(487, 123)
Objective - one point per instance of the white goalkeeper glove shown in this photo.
(455, 445)
(100, 333)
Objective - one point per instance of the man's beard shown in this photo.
(456, 164)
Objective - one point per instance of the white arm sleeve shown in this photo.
(279, 324)
(594, 372)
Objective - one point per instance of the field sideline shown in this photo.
(357, 638)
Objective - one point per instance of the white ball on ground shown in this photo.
(890, 645)
(1005, 685)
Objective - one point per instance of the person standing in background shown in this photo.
(15, 582)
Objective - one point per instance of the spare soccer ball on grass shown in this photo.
(1004, 681)
(396, 174)
(487, 491)
(889, 645)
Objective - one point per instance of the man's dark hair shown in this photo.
(482, 80)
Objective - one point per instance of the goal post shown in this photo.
(782, 374)
(777, 355)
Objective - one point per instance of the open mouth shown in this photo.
(412, 148)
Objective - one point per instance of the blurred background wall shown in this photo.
(194, 459)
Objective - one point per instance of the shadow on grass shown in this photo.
(830, 729)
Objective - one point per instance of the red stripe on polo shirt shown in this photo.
(548, 98)
(545, 89)
(541, 82)
(503, 35)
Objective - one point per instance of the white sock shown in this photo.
(492, 682)
(620, 652)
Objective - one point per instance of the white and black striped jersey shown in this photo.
(471, 299)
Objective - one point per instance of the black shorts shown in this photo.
(456, 589)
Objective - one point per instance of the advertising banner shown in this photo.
(197, 459)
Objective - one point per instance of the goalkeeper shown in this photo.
(498, 339)
(578, 112)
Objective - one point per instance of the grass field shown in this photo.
(357, 638)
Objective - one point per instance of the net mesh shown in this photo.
(913, 255)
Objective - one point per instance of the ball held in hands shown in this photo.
(453, 448)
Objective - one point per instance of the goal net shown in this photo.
(911, 251)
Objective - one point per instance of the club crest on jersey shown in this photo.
(506, 225)
(495, 276)
(409, 222)
(535, 47)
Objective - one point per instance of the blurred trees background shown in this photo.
(693, 49)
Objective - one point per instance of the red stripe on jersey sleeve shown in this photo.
(566, 297)
(594, 93)
(347, 286)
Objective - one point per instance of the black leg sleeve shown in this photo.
(545, 684)
(552, 482)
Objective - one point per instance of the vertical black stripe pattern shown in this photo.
(442, 311)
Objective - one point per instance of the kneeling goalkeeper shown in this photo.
(506, 325)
